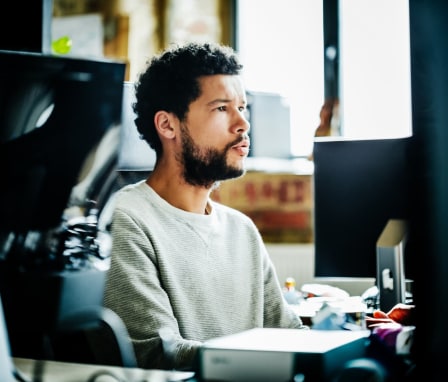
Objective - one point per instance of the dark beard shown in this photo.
(205, 167)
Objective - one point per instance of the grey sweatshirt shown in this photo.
(195, 276)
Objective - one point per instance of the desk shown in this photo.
(52, 371)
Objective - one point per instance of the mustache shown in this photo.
(238, 140)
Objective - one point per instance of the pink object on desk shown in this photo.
(395, 336)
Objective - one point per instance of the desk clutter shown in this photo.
(390, 341)
(333, 349)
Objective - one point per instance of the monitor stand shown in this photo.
(391, 280)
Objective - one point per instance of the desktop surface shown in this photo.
(52, 371)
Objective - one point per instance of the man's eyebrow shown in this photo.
(218, 100)
(222, 100)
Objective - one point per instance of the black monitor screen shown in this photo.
(358, 186)
(53, 111)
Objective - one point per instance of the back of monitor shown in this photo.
(391, 280)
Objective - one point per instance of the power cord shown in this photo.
(37, 373)
(100, 373)
(19, 377)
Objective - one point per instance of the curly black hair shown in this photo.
(170, 83)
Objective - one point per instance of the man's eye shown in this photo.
(221, 108)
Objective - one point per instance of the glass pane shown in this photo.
(281, 46)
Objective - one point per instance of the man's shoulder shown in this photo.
(131, 190)
(231, 212)
(131, 195)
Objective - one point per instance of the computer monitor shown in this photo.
(134, 153)
(59, 134)
(268, 111)
(359, 186)
(54, 111)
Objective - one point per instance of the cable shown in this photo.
(18, 375)
(100, 373)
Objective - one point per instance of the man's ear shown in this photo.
(164, 124)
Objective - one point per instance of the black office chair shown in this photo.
(94, 336)
(362, 370)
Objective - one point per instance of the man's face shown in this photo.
(214, 133)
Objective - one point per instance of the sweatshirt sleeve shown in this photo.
(134, 292)
(277, 312)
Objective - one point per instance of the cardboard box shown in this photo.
(280, 204)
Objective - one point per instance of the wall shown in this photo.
(297, 260)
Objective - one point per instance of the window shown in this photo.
(375, 75)
(281, 46)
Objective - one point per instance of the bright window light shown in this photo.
(375, 75)
(280, 44)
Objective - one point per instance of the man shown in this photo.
(184, 268)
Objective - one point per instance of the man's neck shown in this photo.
(179, 193)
